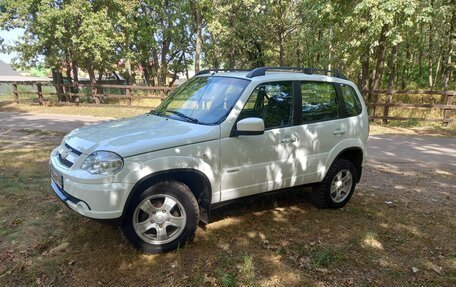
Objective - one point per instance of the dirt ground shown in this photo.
(397, 230)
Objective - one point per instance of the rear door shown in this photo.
(322, 127)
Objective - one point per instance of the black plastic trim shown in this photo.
(204, 200)
(208, 71)
(359, 168)
(262, 71)
(236, 133)
(66, 197)
(270, 193)
(73, 150)
(341, 100)
(65, 162)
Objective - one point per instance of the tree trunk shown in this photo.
(380, 55)
(93, 82)
(129, 77)
(163, 71)
(147, 76)
(392, 68)
(318, 42)
(420, 52)
(391, 77)
(75, 75)
(99, 82)
(179, 61)
(231, 59)
(68, 86)
(330, 47)
(364, 81)
(281, 51)
(431, 82)
(451, 39)
(199, 39)
(377, 73)
(58, 81)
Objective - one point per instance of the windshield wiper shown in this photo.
(184, 116)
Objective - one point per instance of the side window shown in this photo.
(319, 102)
(352, 104)
(272, 102)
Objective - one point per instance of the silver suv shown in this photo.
(222, 135)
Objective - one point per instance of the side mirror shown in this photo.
(249, 127)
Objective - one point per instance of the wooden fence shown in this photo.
(446, 108)
(96, 96)
(129, 93)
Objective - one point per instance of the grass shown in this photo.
(414, 128)
(280, 241)
(94, 111)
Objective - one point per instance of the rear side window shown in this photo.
(352, 104)
(319, 102)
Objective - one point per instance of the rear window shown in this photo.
(352, 104)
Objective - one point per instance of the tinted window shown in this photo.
(205, 100)
(351, 100)
(272, 102)
(319, 102)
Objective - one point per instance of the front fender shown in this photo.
(138, 170)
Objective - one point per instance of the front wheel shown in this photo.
(162, 217)
(337, 187)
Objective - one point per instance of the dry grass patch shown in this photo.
(94, 111)
(275, 241)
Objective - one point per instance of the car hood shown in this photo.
(141, 134)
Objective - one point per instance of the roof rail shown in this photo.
(262, 71)
(208, 71)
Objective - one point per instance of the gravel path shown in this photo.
(48, 122)
(391, 149)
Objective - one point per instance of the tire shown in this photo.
(337, 187)
(161, 218)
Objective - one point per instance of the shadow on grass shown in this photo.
(276, 240)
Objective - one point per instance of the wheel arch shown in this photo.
(197, 182)
(355, 155)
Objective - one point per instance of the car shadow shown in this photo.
(257, 203)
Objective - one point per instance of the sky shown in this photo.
(9, 37)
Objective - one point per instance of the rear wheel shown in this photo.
(337, 187)
(162, 217)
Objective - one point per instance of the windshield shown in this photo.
(203, 100)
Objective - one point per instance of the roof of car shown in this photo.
(274, 75)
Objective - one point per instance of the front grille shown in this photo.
(68, 155)
(76, 152)
(65, 162)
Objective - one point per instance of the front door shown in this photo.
(254, 164)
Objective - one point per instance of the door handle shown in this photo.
(339, 132)
(289, 140)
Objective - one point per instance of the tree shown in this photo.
(387, 43)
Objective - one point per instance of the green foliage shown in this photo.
(399, 43)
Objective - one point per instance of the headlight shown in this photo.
(103, 162)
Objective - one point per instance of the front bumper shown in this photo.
(101, 200)
(82, 207)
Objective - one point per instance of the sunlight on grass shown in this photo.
(371, 241)
(247, 270)
(100, 111)
(43, 243)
